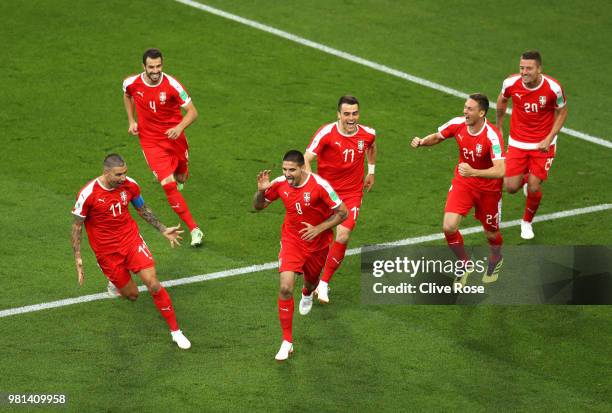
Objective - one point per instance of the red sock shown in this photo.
(455, 243)
(178, 204)
(285, 315)
(531, 205)
(495, 245)
(334, 259)
(164, 305)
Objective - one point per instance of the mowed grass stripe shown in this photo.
(373, 65)
(271, 265)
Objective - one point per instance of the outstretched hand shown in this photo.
(173, 234)
(263, 180)
(369, 182)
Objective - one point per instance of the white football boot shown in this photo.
(179, 338)
(323, 292)
(196, 237)
(526, 230)
(305, 304)
(285, 351)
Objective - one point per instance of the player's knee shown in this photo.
(511, 188)
(449, 227)
(343, 238)
(533, 187)
(285, 291)
(132, 296)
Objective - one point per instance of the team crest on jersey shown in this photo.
(307, 198)
(542, 101)
(124, 197)
(360, 145)
(478, 149)
(162, 98)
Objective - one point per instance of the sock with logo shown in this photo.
(531, 205)
(285, 315)
(164, 304)
(178, 204)
(455, 243)
(334, 259)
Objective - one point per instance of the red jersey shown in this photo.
(533, 110)
(110, 227)
(341, 157)
(311, 202)
(158, 107)
(478, 150)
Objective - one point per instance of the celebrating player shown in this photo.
(477, 182)
(340, 149)
(158, 98)
(312, 209)
(102, 205)
(538, 113)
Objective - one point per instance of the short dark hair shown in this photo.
(151, 54)
(483, 101)
(348, 99)
(532, 55)
(294, 156)
(113, 160)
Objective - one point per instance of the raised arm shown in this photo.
(77, 230)
(429, 140)
(263, 183)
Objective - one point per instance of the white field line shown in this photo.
(373, 65)
(271, 265)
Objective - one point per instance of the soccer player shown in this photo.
(102, 205)
(158, 99)
(340, 149)
(538, 113)
(477, 182)
(312, 210)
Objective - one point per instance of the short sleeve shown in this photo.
(449, 128)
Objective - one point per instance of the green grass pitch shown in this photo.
(259, 95)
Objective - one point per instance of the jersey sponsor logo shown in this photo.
(542, 100)
(307, 198)
(360, 145)
(124, 197)
(518, 95)
(338, 143)
(460, 137)
(162, 98)
(286, 193)
(101, 200)
(140, 93)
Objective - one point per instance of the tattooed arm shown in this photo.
(77, 229)
(172, 234)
